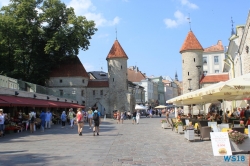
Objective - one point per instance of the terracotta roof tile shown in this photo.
(135, 76)
(214, 78)
(69, 67)
(215, 48)
(191, 43)
(94, 84)
(117, 51)
(166, 81)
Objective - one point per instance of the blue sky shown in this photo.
(152, 31)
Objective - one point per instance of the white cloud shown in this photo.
(189, 4)
(180, 18)
(4, 3)
(87, 9)
(89, 67)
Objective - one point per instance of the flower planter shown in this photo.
(245, 146)
(180, 129)
(189, 135)
(164, 125)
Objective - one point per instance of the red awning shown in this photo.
(30, 102)
(23, 101)
(4, 103)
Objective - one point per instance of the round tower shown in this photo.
(192, 63)
(117, 73)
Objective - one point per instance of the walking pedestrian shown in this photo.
(48, 119)
(63, 118)
(71, 117)
(32, 120)
(42, 117)
(118, 117)
(97, 121)
(90, 117)
(79, 119)
(160, 113)
(138, 115)
(2, 118)
(122, 116)
(134, 117)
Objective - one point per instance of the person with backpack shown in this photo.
(32, 120)
(97, 120)
(79, 119)
(63, 119)
(42, 117)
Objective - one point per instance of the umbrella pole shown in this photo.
(224, 111)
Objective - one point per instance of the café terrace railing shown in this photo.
(7, 82)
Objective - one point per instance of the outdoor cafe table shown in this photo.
(227, 129)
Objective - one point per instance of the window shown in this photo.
(101, 92)
(93, 92)
(121, 67)
(216, 71)
(194, 59)
(83, 102)
(60, 80)
(83, 81)
(188, 73)
(204, 60)
(216, 59)
(73, 92)
(182, 61)
(61, 92)
(113, 79)
(82, 92)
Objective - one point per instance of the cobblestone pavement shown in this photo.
(118, 144)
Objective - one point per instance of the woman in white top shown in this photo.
(90, 117)
(138, 117)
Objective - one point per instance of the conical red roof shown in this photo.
(191, 43)
(69, 67)
(117, 51)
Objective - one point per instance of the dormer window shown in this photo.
(60, 80)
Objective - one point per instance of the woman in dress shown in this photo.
(90, 117)
(79, 119)
(138, 115)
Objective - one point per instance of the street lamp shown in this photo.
(198, 67)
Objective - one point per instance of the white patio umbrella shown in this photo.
(161, 106)
(140, 107)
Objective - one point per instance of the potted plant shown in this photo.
(163, 123)
(179, 126)
(239, 141)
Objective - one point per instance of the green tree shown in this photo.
(35, 35)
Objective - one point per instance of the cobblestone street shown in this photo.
(118, 144)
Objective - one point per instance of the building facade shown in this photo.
(108, 92)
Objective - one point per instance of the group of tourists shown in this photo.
(120, 116)
(79, 118)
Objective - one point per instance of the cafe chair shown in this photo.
(239, 129)
(205, 132)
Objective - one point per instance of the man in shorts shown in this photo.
(97, 120)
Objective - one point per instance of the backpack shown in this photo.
(95, 116)
(32, 119)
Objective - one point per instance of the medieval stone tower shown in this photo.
(117, 69)
(192, 57)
